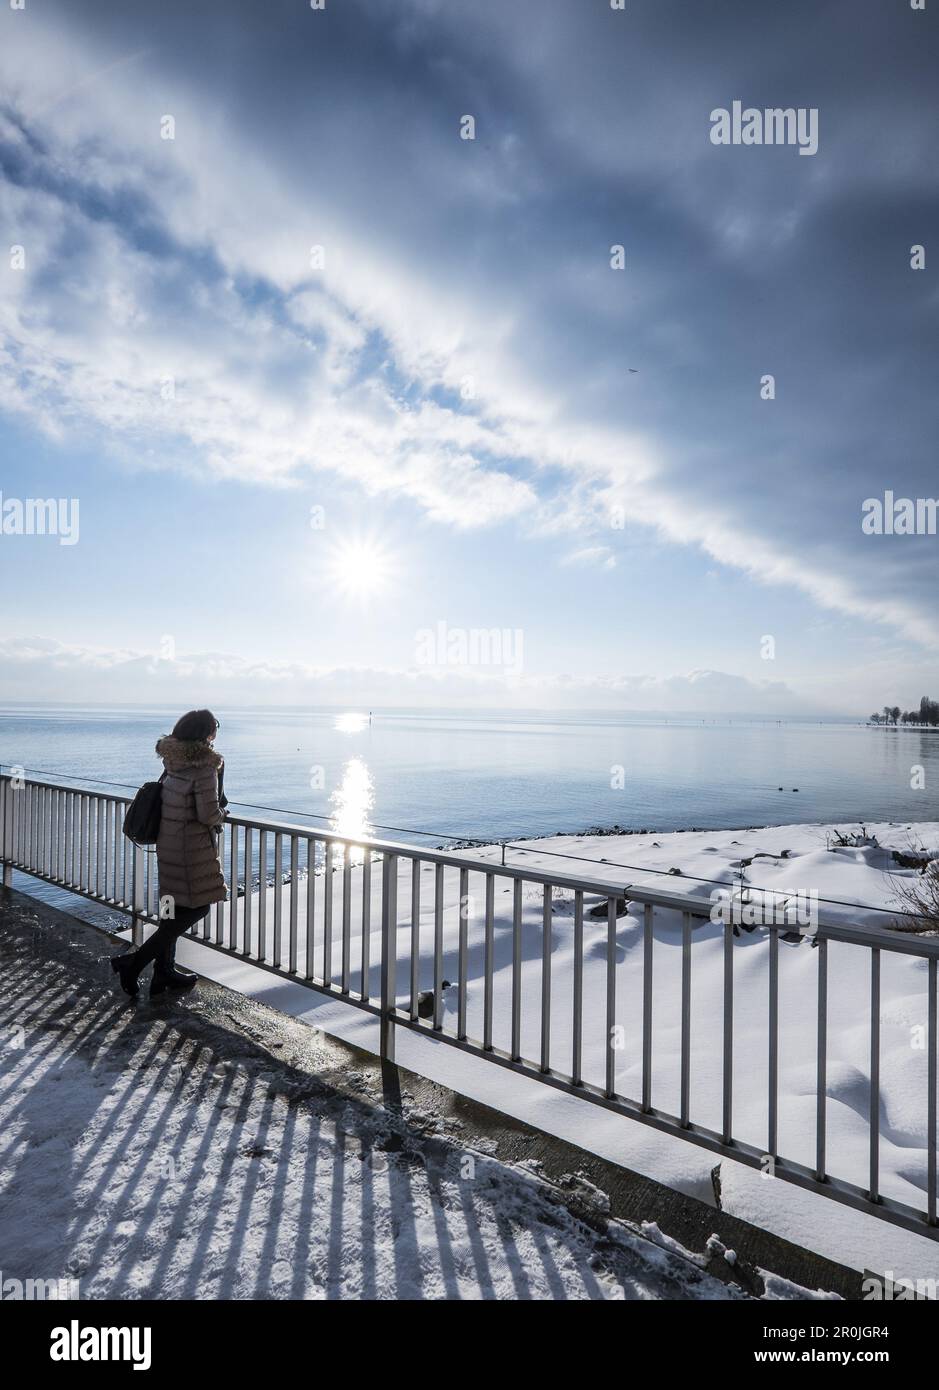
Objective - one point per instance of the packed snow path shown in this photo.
(188, 1150)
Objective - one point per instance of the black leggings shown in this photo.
(161, 946)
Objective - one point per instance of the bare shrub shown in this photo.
(920, 896)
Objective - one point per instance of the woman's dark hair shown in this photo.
(197, 724)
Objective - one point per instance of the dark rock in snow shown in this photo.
(425, 1001)
(600, 910)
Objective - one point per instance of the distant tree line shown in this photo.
(927, 714)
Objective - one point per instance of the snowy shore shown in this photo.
(857, 883)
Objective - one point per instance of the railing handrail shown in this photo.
(456, 859)
(826, 925)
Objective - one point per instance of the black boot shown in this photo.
(167, 968)
(179, 981)
(126, 969)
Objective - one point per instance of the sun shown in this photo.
(360, 569)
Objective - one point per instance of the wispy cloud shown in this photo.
(465, 345)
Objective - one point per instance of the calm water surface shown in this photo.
(456, 774)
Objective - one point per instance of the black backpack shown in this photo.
(142, 822)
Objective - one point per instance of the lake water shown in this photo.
(455, 775)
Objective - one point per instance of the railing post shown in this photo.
(389, 953)
(138, 897)
(7, 838)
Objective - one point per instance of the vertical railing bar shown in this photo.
(611, 998)
(220, 906)
(647, 943)
(108, 834)
(48, 824)
(145, 876)
(546, 978)
(488, 962)
(415, 937)
(389, 954)
(821, 1081)
(117, 848)
(366, 990)
(772, 1115)
(248, 910)
(310, 966)
(125, 852)
(5, 812)
(128, 856)
(102, 847)
(54, 837)
(874, 1192)
(931, 1099)
(46, 831)
(118, 842)
(79, 876)
(517, 971)
(685, 1018)
(577, 1025)
(346, 916)
(328, 913)
(294, 902)
(233, 890)
(438, 946)
(278, 896)
(262, 896)
(101, 887)
(138, 885)
(464, 952)
(728, 1047)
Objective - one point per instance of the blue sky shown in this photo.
(452, 386)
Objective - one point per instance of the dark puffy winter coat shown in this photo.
(187, 848)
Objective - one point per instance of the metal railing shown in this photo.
(351, 918)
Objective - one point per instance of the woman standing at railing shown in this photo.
(190, 874)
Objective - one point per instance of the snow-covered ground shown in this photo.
(859, 884)
(146, 1152)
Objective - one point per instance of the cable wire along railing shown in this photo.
(635, 999)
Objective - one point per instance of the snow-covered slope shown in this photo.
(858, 883)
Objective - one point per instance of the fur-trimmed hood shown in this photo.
(187, 753)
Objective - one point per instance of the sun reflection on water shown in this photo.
(352, 800)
